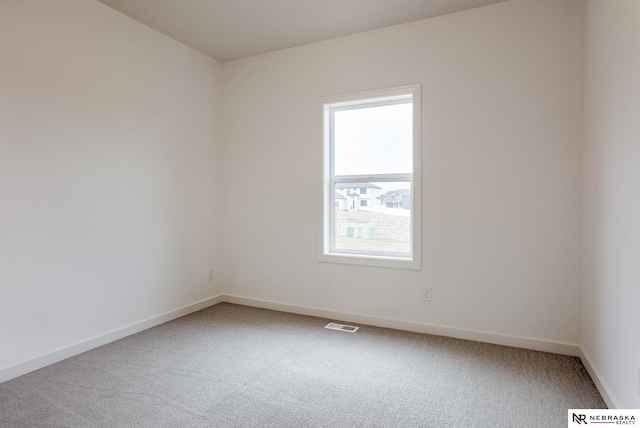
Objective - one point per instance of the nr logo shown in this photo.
(580, 419)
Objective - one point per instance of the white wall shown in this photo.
(611, 245)
(109, 174)
(502, 130)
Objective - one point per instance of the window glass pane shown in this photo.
(381, 223)
(373, 140)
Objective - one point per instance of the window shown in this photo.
(371, 149)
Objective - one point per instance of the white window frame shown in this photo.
(326, 250)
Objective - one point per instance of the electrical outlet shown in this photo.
(426, 294)
(210, 274)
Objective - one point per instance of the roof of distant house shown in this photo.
(401, 192)
(396, 195)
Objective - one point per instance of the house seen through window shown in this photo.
(371, 185)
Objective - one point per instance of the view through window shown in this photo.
(370, 165)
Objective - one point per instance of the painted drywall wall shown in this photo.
(502, 93)
(109, 174)
(611, 244)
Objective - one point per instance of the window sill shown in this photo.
(368, 260)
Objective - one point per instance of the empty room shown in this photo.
(322, 213)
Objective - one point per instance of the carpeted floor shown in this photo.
(236, 366)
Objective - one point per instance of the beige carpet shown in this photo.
(235, 366)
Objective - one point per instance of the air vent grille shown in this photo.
(341, 327)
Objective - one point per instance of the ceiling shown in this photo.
(227, 30)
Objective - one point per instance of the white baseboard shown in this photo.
(459, 333)
(10, 372)
(603, 389)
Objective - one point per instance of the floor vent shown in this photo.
(341, 327)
